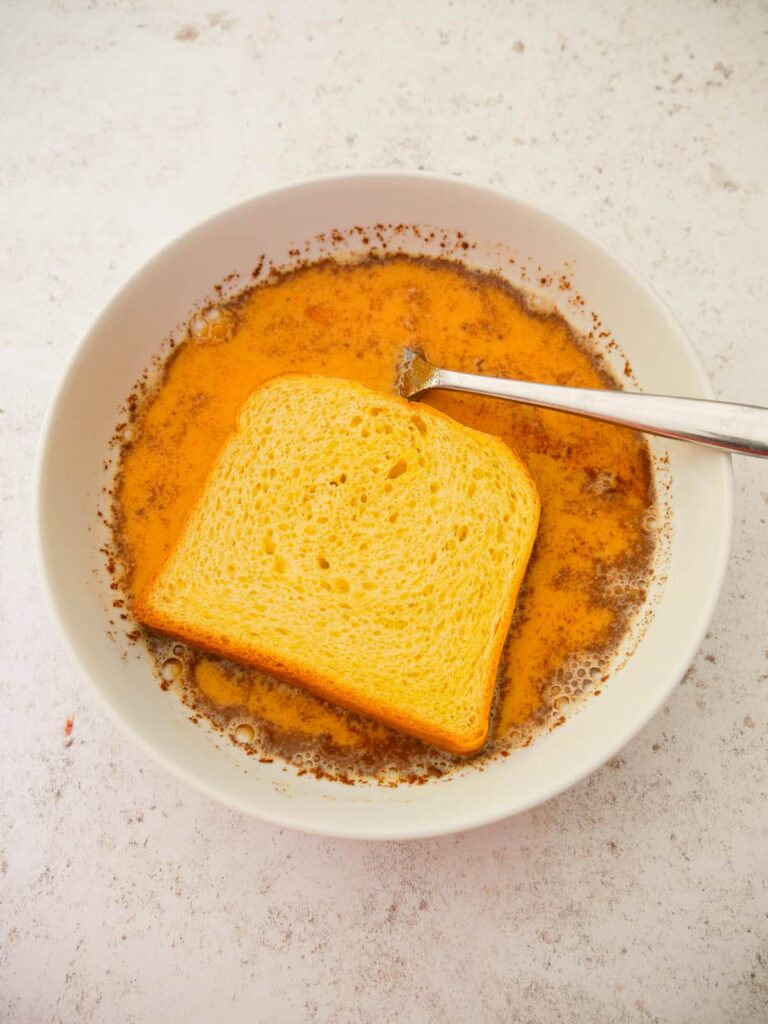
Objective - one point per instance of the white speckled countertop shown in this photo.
(640, 895)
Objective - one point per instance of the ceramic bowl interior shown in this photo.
(696, 489)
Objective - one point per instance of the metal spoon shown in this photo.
(735, 428)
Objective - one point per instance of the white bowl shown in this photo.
(163, 294)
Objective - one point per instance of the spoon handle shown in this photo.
(735, 428)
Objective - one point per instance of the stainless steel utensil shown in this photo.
(734, 428)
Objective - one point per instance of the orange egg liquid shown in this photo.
(593, 554)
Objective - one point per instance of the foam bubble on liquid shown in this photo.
(245, 733)
(171, 670)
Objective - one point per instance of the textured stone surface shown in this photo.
(640, 895)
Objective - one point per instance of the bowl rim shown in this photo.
(470, 819)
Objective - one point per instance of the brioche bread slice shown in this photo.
(365, 547)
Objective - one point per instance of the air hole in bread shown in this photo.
(398, 469)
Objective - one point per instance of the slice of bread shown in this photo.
(362, 546)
